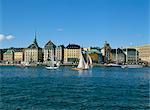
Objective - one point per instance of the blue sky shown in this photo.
(84, 22)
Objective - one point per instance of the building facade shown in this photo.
(18, 55)
(48, 51)
(1, 54)
(59, 53)
(144, 52)
(118, 56)
(95, 54)
(132, 55)
(8, 56)
(72, 53)
(2, 51)
(33, 53)
(106, 52)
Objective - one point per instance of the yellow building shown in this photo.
(59, 53)
(33, 53)
(144, 52)
(87, 49)
(18, 56)
(94, 57)
(72, 53)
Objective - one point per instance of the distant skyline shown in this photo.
(84, 22)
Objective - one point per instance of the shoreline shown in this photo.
(45, 65)
(62, 65)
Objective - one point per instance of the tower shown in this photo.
(35, 41)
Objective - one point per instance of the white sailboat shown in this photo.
(53, 65)
(82, 64)
(131, 65)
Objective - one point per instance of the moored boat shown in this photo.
(54, 65)
(51, 68)
(132, 66)
(113, 65)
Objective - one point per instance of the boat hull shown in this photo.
(132, 66)
(51, 68)
(113, 65)
(78, 69)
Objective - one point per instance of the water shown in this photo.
(64, 89)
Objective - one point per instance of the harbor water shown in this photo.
(100, 88)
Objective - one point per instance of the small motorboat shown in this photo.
(132, 66)
(51, 68)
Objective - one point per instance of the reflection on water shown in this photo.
(85, 73)
(95, 89)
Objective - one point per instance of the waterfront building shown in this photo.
(33, 53)
(132, 55)
(117, 56)
(49, 51)
(59, 53)
(95, 54)
(8, 56)
(2, 51)
(86, 49)
(72, 53)
(18, 55)
(106, 51)
(1, 55)
(144, 52)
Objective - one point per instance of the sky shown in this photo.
(85, 22)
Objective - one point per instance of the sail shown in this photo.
(90, 60)
(86, 66)
(81, 61)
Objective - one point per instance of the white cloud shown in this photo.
(60, 29)
(10, 37)
(2, 37)
(6, 38)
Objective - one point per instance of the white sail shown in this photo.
(81, 62)
(90, 60)
(86, 66)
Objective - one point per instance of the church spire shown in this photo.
(35, 41)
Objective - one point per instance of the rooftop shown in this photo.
(73, 46)
(49, 45)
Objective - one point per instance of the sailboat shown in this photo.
(131, 65)
(84, 65)
(53, 65)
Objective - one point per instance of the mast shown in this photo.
(126, 55)
(52, 58)
(116, 56)
(136, 55)
(87, 59)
